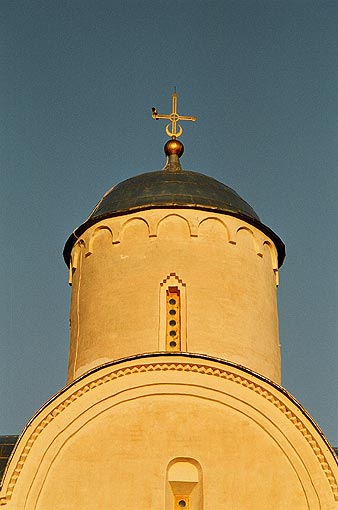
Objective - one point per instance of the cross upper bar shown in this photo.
(174, 117)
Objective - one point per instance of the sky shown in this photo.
(79, 79)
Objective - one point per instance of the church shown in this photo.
(174, 397)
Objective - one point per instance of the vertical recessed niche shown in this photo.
(173, 335)
(172, 315)
(184, 485)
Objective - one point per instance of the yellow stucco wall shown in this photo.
(227, 268)
(130, 434)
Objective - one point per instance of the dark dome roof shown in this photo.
(171, 189)
(163, 188)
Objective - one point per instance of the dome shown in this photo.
(172, 189)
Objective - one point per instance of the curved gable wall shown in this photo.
(137, 415)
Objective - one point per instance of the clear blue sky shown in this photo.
(79, 79)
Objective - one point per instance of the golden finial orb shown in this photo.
(174, 146)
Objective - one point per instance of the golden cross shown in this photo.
(173, 117)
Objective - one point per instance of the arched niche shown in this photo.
(184, 485)
(173, 226)
(135, 230)
(213, 229)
